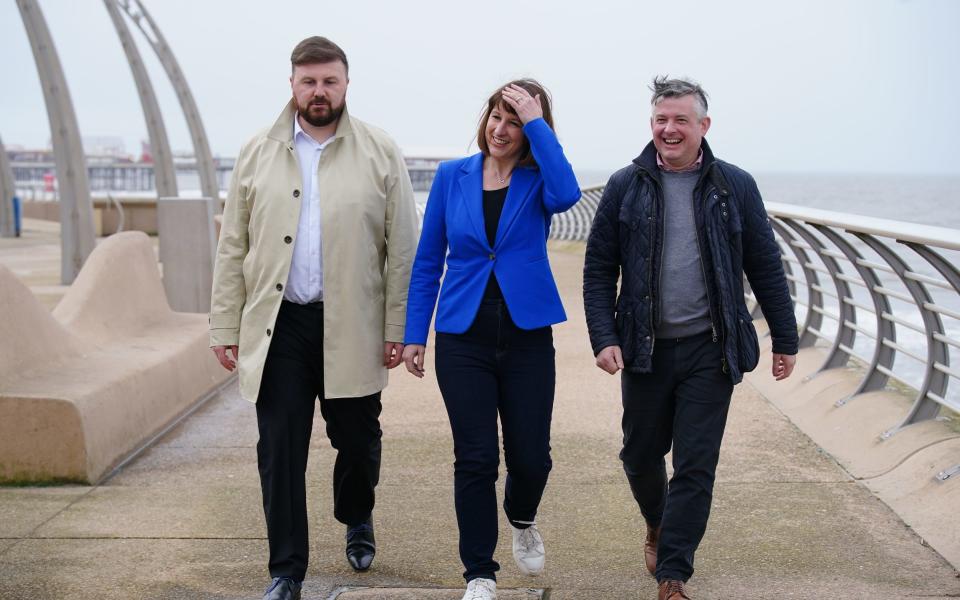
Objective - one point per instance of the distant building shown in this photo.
(110, 169)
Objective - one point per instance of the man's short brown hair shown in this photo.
(317, 50)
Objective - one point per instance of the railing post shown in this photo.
(933, 381)
(846, 335)
(883, 355)
(814, 319)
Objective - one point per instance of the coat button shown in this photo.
(723, 205)
(715, 196)
(287, 239)
(268, 333)
(493, 256)
(296, 193)
(279, 287)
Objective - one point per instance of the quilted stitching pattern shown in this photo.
(625, 242)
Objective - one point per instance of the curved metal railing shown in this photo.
(880, 294)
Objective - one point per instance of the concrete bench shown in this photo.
(85, 386)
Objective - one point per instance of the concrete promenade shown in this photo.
(184, 520)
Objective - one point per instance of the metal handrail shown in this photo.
(867, 290)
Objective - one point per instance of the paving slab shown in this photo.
(767, 447)
(182, 467)
(165, 569)
(23, 509)
(427, 594)
(199, 511)
(219, 423)
(6, 543)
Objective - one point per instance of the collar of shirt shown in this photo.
(299, 135)
(665, 167)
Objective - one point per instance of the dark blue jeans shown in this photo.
(496, 368)
(683, 402)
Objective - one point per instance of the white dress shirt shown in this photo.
(305, 282)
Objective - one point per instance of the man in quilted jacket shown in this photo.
(679, 228)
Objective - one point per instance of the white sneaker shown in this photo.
(528, 549)
(481, 589)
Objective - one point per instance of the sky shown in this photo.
(813, 86)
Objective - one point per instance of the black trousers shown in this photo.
(683, 402)
(496, 368)
(292, 382)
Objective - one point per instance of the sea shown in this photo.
(927, 199)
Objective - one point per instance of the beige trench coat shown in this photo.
(369, 231)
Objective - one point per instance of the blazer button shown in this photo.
(287, 239)
(493, 256)
(296, 193)
(268, 333)
(279, 287)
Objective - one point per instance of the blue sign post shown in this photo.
(16, 216)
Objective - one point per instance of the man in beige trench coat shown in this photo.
(309, 297)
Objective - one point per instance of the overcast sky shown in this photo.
(799, 86)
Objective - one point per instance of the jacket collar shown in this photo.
(282, 129)
(471, 187)
(648, 159)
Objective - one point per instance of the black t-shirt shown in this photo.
(493, 201)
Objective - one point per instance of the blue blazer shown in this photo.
(454, 222)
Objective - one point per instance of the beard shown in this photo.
(320, 113)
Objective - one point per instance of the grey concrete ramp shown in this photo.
(184, 521)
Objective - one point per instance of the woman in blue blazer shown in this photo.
(487, 219)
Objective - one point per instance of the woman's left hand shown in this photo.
(526, 106)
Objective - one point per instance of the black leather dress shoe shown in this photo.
(283, 588)
(361, 545)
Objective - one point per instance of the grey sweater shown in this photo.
(684, 307)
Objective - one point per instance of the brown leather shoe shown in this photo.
(672, 589)
(650, 548)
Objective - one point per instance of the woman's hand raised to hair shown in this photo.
(526, 106)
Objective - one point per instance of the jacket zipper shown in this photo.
(706, 284)
(658, 226)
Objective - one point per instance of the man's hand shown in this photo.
(392, 353)
(783, 365)
(413, 357)
(224, 358)
(610, 359)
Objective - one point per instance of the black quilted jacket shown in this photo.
(735, 238)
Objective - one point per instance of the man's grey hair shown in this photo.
(664, 87)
